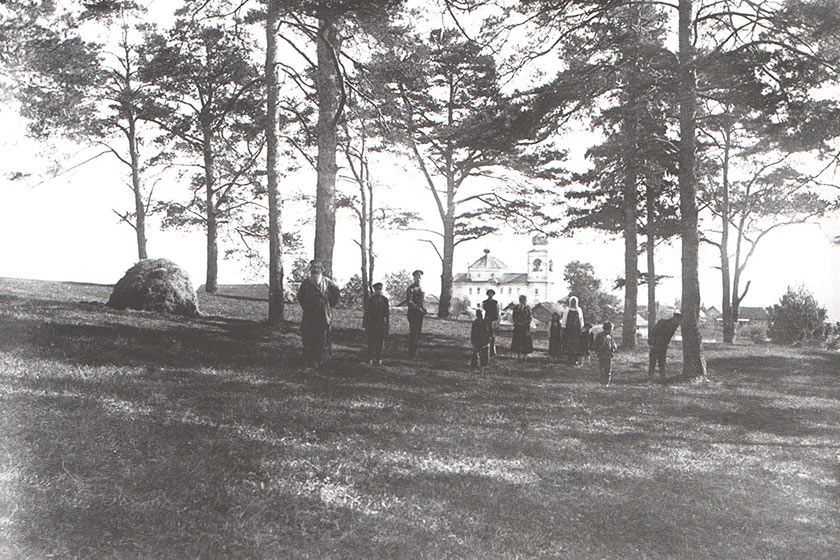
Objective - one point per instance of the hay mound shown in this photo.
(155, 285)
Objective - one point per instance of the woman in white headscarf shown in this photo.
(572, 329)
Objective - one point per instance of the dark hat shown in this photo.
(417, 272)
(491, 292)
(378, 285)
(316, 264)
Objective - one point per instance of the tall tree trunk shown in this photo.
(363, 247)
(737, 297)
(276, 301)
(445, 303)
(692, 363)
(448, 258)
(727, 319)
(326, 79)
(137, 187)
(371, 229)
(631, 255)
(650, 202)
(211, 282)
(726, 304)
(126, 106)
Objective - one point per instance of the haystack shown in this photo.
(155, 285)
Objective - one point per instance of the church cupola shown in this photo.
(486, 268)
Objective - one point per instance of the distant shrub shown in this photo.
(155, 285)
(396, 284)
(460, 306)
(795, 317)
(352, 294)
(756, 333)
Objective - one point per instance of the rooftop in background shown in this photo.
(488, 262)
(503, 278)
(753, 314)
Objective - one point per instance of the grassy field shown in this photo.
(134, 435)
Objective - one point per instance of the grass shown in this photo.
(135, 435)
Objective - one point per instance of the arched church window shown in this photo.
(537, 265)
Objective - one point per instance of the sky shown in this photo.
(65, 228)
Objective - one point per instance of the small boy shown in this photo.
(480, 340)
(605, 348)
(555, 336)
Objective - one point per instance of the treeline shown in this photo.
(708, 113)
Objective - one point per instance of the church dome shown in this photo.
(488, 262)
(540, 239)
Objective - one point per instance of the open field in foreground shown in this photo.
(132, 435)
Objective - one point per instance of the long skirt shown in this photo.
(555, 342)
(573, 344)
(522, 343)
(316, 342)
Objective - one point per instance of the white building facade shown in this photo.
(489, 273)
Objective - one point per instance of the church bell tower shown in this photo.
(539, 266)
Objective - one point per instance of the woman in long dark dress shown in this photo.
(572, 328)
(522, 344)
(555, 336)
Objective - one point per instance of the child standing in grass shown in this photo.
(555, 336)
(480, 340)
(605, 348)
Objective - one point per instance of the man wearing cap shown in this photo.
(661, 337)
(491, 316)
(416, 301)
(317, 296)
(377, 323)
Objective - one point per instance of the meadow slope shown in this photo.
(135, 435)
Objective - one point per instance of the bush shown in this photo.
(459, 307)
(352, 294)
(757, 334)
(795, 317)
(155, 285)
(395, 285)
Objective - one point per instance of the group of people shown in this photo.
(568, 334)
(317, 296)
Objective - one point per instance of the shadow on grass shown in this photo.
(95, 484)
(777, 369)
(754, 416)
(73, 332)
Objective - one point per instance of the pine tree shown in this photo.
(210, 98)
(443, 98)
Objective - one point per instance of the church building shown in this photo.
(488, 272)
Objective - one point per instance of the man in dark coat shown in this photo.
(317, 296)
(491, 316)
(377, 323)
(416, 301)
(661, 337)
